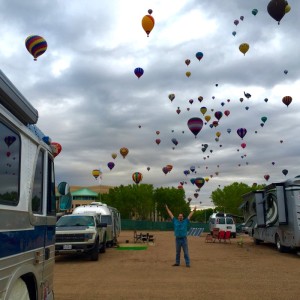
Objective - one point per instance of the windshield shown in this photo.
(75, 221)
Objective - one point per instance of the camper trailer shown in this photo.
(108, 215)
(27, 200)
(272, 214)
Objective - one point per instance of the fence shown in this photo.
(159, 226)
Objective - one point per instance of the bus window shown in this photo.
(37, 192)
(10, 147)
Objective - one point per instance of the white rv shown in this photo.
(272, 214)
(107, 214)
(27, 200)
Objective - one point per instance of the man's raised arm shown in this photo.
(191, 213)
(169, 212)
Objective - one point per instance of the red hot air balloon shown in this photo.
(157, 132)
(36, 45)
(199, 182)
(138, 72)
(195, 125)
(243, 145)
(56, 148)
(226, 113)
(137, 177)
(267, 177)
(111, 165)
(157, 141)
(287, 100)
(241, 132)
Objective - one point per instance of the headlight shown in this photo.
(88, 236)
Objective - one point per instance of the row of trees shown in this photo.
(143, 202)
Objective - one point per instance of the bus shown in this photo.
(27, 200)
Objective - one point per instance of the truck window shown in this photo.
(229, 221)
(221, 220)
(37, 191)
(75, 221)
(10, 147)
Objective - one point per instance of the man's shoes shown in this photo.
(175, 265)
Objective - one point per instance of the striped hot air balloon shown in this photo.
(36, 45)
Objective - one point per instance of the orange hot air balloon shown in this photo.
(207, 118)
(124, 151)
(169, 167)
(148, 23)
(287, 100)
(244, 47)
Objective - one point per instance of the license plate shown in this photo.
(67, 247)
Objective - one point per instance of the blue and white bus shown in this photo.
(27, 200)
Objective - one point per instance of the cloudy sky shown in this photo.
(90, 101)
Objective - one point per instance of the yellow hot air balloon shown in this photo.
(207, 118)
(218, 133)
(96, 173)
(244, 47)
(203, 110)
(188, 74)
(148, 23)
(114, 155)
(206, 179)
(287, 9)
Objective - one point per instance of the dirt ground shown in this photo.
(218, 271)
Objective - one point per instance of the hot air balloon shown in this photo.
(138, 72)
(254, 11)
(244, 47)
(56, 148)
(178, 110)
(207, 118)
(196, 195)
(195, 125)
(169, 168)
(226, 113)
(137, 177)
(228, 130)
(242, 18)
(200, 98)
(285, 172)
(243, 145)
(172, 97)
(36, 45)
(264, 119)
(111, 165)
(124, 151)
(188, 74)
(236, 22)
(199, 182)
(187, 62)
(241, 132)
(215, 123)
(203, 110)
(114, 155)
(157, 141)
(266, 100)
(285, 72)
(191, 101)
(276, 9)
(148, 23)
(165, 170)
(96, 173)
(199, 55)
(218, 115)
(287, 100)
(192, 168)
(174, 141)
(148, 168)
(157, 132)
(267, 177)
(234, 33)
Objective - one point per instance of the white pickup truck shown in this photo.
(80, 233)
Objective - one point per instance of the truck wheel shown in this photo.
(279, 247)
(19, 291)
(103, 246)
(95, 252)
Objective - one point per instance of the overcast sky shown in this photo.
(90, 101)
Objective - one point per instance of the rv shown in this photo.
(224, 222)
(107, 214)
(27, 200)
(272, 214)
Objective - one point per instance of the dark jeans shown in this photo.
(181, 242)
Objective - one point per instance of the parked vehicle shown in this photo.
(27, 200)
(223, 221)
(80, 234)
(108, 215)
(272, 214)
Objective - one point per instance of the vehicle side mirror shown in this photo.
(65, 198)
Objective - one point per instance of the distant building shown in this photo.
(85, 195)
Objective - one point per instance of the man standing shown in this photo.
(180, 232)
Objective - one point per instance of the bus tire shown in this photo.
(279, 246)
(19, 291)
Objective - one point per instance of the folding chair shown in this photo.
(215, 234)
(227, 236)
(221, 236)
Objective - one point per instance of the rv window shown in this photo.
(229, 221)
(37, 191)
(10, 147)
(106, 219)
(51, 202)
(221, 220)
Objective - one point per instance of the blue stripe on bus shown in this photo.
(15, 242)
